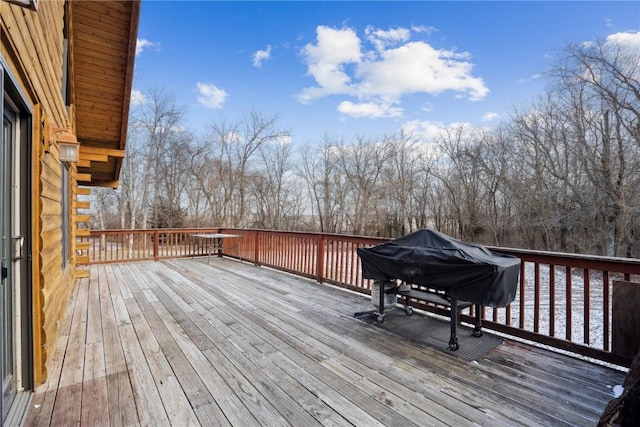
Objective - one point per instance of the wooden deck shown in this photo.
(186, 343)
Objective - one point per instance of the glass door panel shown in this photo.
(6, 288)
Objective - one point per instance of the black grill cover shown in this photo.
(465, 271)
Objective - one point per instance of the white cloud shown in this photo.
(424, 29)
(530, 78)
(417, 67)
(261, 55)
(142, 44)
(392, 67)
(211, 96)
(426, 131)
(326, 61)
(490, 116)
(430, 131)
(137, 97)
(628, 45)
(630, 40)
(382, 39)
(623, 48)
(428, 107)
(282, 140)
(369, 109)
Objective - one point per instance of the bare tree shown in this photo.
(157, 121)
(400, 175)
(277, 198)
(211, 175)
(460, 180)
(318, 168)
(222, 165)
(197, 206)
(422, 208)
(550, 185)
(600, 85)
(492, 157)
(173, 177)
(362, 163)
(129, 198)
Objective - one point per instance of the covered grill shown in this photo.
(463, 273)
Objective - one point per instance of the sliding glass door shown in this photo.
(16, 313)
(8, 274)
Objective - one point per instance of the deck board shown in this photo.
(120, 403)
(186, 342)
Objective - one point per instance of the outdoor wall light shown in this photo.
(67, 143)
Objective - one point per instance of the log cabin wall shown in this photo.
(33, 52)
(32, 45)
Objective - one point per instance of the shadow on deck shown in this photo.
(184, 343)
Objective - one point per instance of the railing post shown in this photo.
(256, 248)
(320, 259)
(156, 237)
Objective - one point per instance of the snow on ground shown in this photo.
(560, 306)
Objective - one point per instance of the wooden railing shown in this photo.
(563, 300)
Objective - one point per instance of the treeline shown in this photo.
(560, 174)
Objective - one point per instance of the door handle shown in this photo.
(5, 272)
(18, 247)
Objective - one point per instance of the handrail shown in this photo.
(563, 300)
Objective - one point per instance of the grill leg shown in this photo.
(477, 329)
(380, 317)
(453, 341)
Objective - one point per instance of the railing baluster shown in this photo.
(522, 294)
(310, 255)
(536, 298)
(320, 258)
(285, 253)
(339, 272)
(156, 238)
(359, 281)
(299, 252)
(569, 308)
(587, 305)
(605, 311)
(552, 300)
(352, 254)
(256, 248)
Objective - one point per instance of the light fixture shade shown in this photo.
(69, 152)
(68, 144)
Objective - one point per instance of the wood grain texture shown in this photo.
(626, 318)
(32, 44)
(185, 342)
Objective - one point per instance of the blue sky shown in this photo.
(360, 68)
